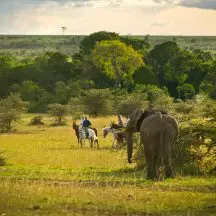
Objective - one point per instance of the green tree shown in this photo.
(209, 82)
(11, 109)
(117, 60)
(7, 63)
(88, 43)
(97, 102)
(58, 111)
(187, 91)
(158, 58)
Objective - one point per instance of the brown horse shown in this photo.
(120, 135)
(77, 132)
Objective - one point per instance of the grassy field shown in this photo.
(46, 174)
(33, 45)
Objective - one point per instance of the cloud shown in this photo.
(203, 4)
(160, 24)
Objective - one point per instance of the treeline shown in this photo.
(120, 65)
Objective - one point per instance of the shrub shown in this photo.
(128, 105)
(2, 161)
(58, 111)
(37, 120)
(187, 91)
(97, 102)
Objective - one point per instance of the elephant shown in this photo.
(158, 133)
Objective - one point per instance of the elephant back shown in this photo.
(158, 123)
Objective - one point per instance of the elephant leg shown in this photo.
(168, 168)
(150, 165)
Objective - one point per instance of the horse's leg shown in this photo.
(91, 142)
(97, 143)
(113, 142)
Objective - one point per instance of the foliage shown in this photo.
(56, 74)
(196, 148)
(130, 103)
(36, 120)
(117, 60)
(58, 111)
(158, 98)
(88, 43)
(10, 111)
(97, 102)
(187, 91)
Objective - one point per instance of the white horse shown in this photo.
(117, 137)
(93, 139)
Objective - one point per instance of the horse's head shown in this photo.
(75, 126)
(114, 126)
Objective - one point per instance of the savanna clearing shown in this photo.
(46, 174)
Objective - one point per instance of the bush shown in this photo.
(97, 102)
(58, 111)
(37, 120)
(128, 105)
(187, 91)
(2, 161)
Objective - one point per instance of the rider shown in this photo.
(120, 122)
(86, 125)
(82, 120)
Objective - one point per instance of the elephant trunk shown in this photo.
(129, 145)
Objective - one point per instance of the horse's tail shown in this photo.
(95, 130)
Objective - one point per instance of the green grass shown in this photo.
(46, 174)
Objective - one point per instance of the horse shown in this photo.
(117, 137)
(81, 135)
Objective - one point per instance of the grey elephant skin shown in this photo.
(158, 133)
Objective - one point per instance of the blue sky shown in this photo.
(155, 17)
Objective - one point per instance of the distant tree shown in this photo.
(177, 68)
(11, 109)
(117, 60)
(209, 82)
(88, 43)
(30, 91)
(63, 29)
(58, 111)
(137, 44)
(97, 102)
(7, 63)
(187, 91)
(158, 58)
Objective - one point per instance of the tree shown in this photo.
(117, 60)
(187, 91)
(10, 111)
(58, 111)
(158, 58)
(97, 102)
(137, 44)
(7, 63)
(88, 43)
(209, 82)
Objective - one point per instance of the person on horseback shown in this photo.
(81, 121)
(120, 121)
(86, 125)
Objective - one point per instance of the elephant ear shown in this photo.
(134, 119)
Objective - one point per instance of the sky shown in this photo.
(82, 17)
